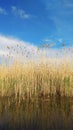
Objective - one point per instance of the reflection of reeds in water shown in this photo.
(36, 115)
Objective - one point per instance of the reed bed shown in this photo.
(36, 80)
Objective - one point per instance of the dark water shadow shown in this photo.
(41, 114)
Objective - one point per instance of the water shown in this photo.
(40, 114)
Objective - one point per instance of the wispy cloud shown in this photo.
(68, 3)
(3, 11)
(60, 40)
(61, 14)
(20, 12)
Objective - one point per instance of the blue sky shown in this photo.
(37, 21)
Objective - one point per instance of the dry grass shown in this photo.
(36, 80)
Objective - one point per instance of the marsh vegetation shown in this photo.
(36, 95)
(32, 80)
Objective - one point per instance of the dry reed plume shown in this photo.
(36, 80)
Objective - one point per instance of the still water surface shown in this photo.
(46, 114)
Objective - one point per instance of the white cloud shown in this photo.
(3, 53)
(3, 11)
(20, 12)
(21, 50)
(16, 48)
